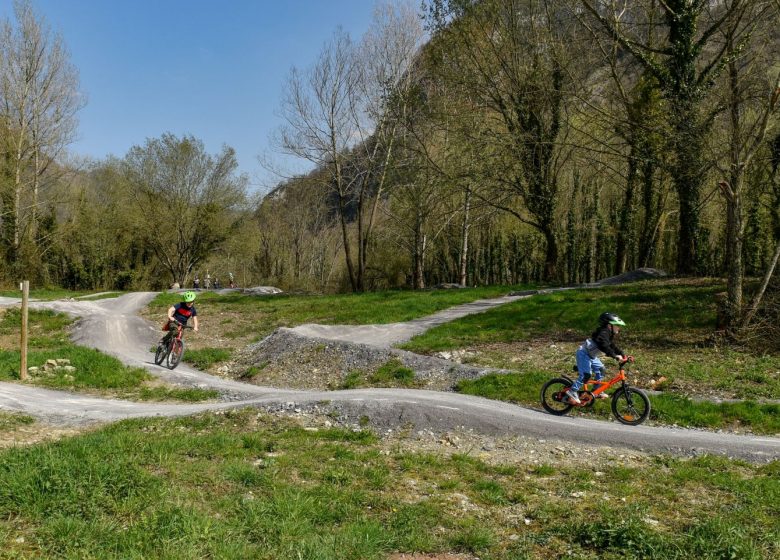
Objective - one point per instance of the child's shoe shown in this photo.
(571, 394)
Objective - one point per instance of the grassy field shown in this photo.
(659, 314)
(246, 485)
(95, 372)
(49, 294)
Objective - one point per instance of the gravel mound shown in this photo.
(633, 276)
(261, 291)
(285, 359)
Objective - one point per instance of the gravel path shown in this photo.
(114, 327)
(385, 336)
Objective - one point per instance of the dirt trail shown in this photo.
(385, 336)
(114, 327)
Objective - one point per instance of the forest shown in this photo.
(471, 142)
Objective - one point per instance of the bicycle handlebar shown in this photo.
(629, 359)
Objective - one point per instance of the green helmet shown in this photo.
(607, 318)
(189, 296)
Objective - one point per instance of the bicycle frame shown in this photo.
(604, 385)
(601, 386)
(179, 330)
(166, 348)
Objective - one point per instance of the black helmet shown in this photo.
(607, 318)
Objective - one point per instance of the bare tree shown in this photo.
(386, 59)
(342, 115)
(39, 99)
(319, 107)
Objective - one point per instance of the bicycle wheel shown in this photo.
(554, 398)
(177, 350)
(630, 406)
(161, 353)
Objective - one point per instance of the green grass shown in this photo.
(204, 358)
(49, 294)
(512, 387)
(353, 380)
(390, 374)
(185, 394)
(246, 485)
(95, 371)
(12, 420)
(657, 313)
(758, 417)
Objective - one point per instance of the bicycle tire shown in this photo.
(551, 389)
(161, 353)
(177, 351)
(630, 406)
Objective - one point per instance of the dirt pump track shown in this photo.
(113, 326)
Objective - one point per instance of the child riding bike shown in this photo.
(179, 314)
(588, 362)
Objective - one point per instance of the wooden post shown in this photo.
(25, 297)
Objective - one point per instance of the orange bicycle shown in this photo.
(629, 404)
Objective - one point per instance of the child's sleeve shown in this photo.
(605, 344)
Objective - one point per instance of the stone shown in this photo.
(447, 286)
(261, 290)
(68, 369)
(62, 362)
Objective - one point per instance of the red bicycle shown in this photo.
(629, 404)
(171, 350)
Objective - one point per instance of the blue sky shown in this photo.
(211, 69)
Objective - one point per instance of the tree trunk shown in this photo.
(734, 234)
(36, 187)
(593, 240)
(343, 218)
(418, 255)
(687, 177)
(365, 238)
(625, 232)
(17, 218)
(464, 245)
(347, 246)
(550, 255)
(652, 214)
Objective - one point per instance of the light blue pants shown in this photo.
(587, 366)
